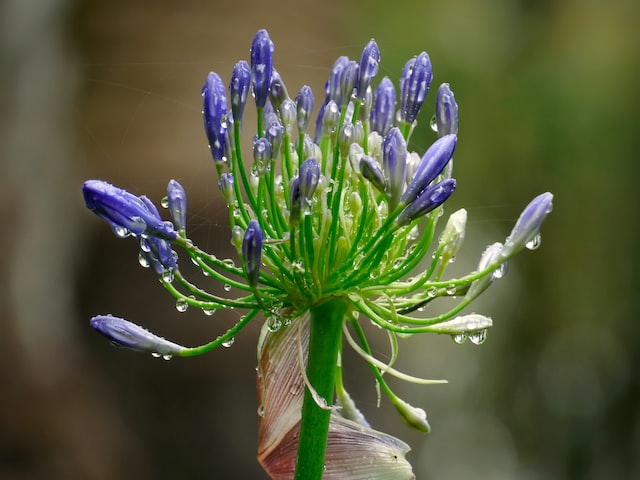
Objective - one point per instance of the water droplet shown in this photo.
(208, 311)
(145, 246)
(121, 232)
(164, 203)
(236, 213)
(181, 305)
(500, 271)
(156, 355)
(478, 337)
(227, 287)
(167, 357)
(167, 276)
(451, 289)
(274, 323)
(459, 338)
(228, 262)
(534, 242)
(229, 342)
(142, 260)
(433, 123)
(261, 411)
(432, 292)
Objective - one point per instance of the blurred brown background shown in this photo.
(549, 100)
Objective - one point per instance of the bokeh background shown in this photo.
(549, 99)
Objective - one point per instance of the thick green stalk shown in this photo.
(324, 342)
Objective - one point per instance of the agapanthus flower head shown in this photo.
(338, 232)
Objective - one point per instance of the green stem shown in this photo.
(324, 342)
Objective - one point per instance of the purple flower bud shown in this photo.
(346, 137)
(288, 115)
(262, 156)
(309, 177)
(433, 162)
(368, 67)
(126, 334)
(277, 90)
(489, 256)
(225, 184)
(430, 199)
(446, 111)
(273, 133)
(157, 253)
(384, 107)
(333, 85)
(331, 117)
(252, 252)
(371, 170)
(177, 200)
(526, 232)
(125, 213)
(414, 85)
(394, 163)
(304, 104)
(365, 108)
(348, 81)
(317, 134)
(261, 66)
(214, 111)
(239, 88)
(295, 202)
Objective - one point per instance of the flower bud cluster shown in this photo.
(350, 213)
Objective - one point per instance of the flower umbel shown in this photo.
(334, 229)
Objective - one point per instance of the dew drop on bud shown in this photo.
(142, 260)
(167, 357)
(121, 232)
(167, 276)
(434, 124)
(478, 337)
(534, 242)
(459, 338)
(156, 355)
(500, 271)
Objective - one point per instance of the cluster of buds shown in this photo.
(348, 213)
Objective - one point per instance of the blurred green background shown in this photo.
(549, 101)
